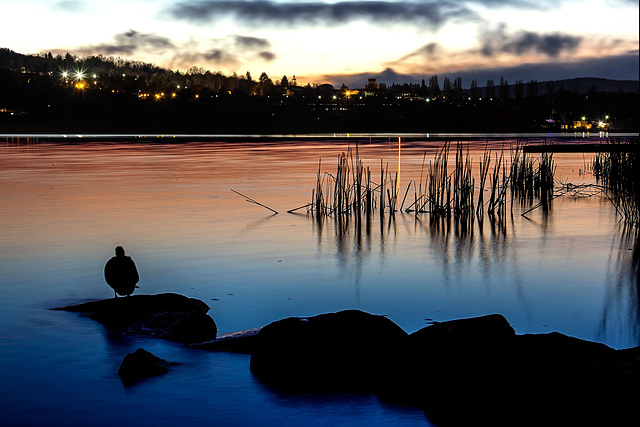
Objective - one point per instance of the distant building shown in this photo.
(372, 84)
(582, 124)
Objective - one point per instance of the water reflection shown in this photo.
(487, 252)
(622, 296)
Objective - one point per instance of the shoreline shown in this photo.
(338, 136)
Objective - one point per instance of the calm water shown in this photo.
(64, 207)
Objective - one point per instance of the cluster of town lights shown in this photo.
(79, 76)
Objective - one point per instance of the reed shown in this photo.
(532, 178)
(619, 175)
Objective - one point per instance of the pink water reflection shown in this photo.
(64, 208)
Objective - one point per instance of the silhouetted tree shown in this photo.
(504, 89)
(264, 84)
(490, 90)
(475, 94)
(532, 89)
(447, 88)
(434, 86)
(519, 90)
(457, 88)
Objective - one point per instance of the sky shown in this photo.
(342, 41)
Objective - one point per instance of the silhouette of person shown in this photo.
(121, 273)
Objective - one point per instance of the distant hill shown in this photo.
(589, 84)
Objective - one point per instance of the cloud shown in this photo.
(247, 42)
(429, 13)
(267, 56)
(430, 52)
(525, 42)
(227, 52)
(131, 42)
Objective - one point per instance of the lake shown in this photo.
(64, 207)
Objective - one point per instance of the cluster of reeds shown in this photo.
(352, 190)
(531, 177)
(442, 193)
(619, 174)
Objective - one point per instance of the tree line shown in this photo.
(35, 95)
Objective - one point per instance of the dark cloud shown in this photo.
(247, 42)
(216, 55)
(529, 4)
(267, 56)
(430, 13)
(523, 42)
(430, 52)
(130, 42)
(225, 52)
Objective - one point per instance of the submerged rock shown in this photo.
(170, 316)
(142, 364)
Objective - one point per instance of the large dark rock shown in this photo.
(142, 364)
(478, 371)
(170, 316)
(439, 358)
(336, 351)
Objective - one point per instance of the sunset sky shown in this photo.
(342, 41)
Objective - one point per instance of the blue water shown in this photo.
(63, 208)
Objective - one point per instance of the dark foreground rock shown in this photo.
(337, 351)
(169, 316)
(142, 364)
(468, 370)
(463, 372)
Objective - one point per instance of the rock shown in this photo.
(435, 360)
(478, 371)
(142, 364)
(335, 351)
(170, 316)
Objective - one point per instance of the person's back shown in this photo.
(121, 273)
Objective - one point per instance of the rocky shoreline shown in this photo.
(460, 372)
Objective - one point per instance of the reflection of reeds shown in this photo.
(531, 178)
(619, 174)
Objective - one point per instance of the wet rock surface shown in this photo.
(142, 364)
(169, 316)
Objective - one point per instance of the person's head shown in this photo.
(119, 251)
